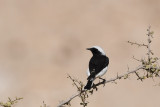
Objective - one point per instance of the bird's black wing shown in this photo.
(97, 64)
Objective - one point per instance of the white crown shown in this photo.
(99, 49)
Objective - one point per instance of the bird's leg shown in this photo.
(94, 87)
(103, 80)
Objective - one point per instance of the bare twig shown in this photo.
(138, 44)
(121, 76)
(74, 83)
(137, 59)
(68, 100)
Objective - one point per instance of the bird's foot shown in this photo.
(95, 87)
(103, 80)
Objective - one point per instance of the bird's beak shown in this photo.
(88, 48)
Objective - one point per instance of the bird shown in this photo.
(98, 65)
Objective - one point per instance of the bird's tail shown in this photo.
(89, 84)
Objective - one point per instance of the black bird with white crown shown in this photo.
(97, 66)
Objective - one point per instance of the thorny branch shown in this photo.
(67, 102)
(149, 66)
(120, 76)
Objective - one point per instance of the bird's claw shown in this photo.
(95, 87)
(103, 81)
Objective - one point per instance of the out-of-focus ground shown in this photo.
(43, 40)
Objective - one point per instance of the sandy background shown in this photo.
(43, 40)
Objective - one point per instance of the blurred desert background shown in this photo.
(41, 41)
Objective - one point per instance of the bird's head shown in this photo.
(96, 50)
